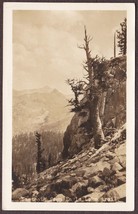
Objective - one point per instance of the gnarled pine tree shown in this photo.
(95, 68)
(100, 77)
(122, 37)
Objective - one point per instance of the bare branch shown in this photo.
(86, 68)
(82, 47)
(90, 38)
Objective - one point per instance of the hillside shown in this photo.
(40, 109)
(84, 172)
(90, 176)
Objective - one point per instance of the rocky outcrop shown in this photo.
(76, 134)
(115, 114)
(19, 193)
(93, 175)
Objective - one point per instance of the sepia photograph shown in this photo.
(69, 106)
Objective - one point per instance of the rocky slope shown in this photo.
(90, 176)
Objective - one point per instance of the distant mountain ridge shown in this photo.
(40, 109)
(45, 89)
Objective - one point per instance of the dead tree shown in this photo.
(93, 91)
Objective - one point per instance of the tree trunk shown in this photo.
(96, 123)
(102, 106)
(93, 103)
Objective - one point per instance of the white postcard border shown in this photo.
(7, 204)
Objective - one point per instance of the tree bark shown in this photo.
(102, 106)
(96, 123)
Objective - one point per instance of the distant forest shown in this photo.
(24, 154)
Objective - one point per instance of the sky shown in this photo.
(45, 51)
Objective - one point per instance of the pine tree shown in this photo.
(99, 78)
(15, 180)
(94, 68)
(122, 38)
(40, 166)
(77, 88)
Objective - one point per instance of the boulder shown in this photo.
(122, 160)
(59, 198)
(33, 199)
(114, 160)
(95, 181)
(48, 191)
(121, 150)
(73, 174)
(93, 197)
(101, 165)
(106, 172)
(42, 189)
(80, 173)
(121, 173)
(80, 188)
(35, 193)
(90, 189)
(93, 169)
(64, 183)
(26, 199)
(68, 193)
(100, 188)
(110, 155)
(19, 192)
(68, 199)
(121, 180)
(116, 167)
(115, 194)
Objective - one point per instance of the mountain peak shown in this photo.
(55, 91)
